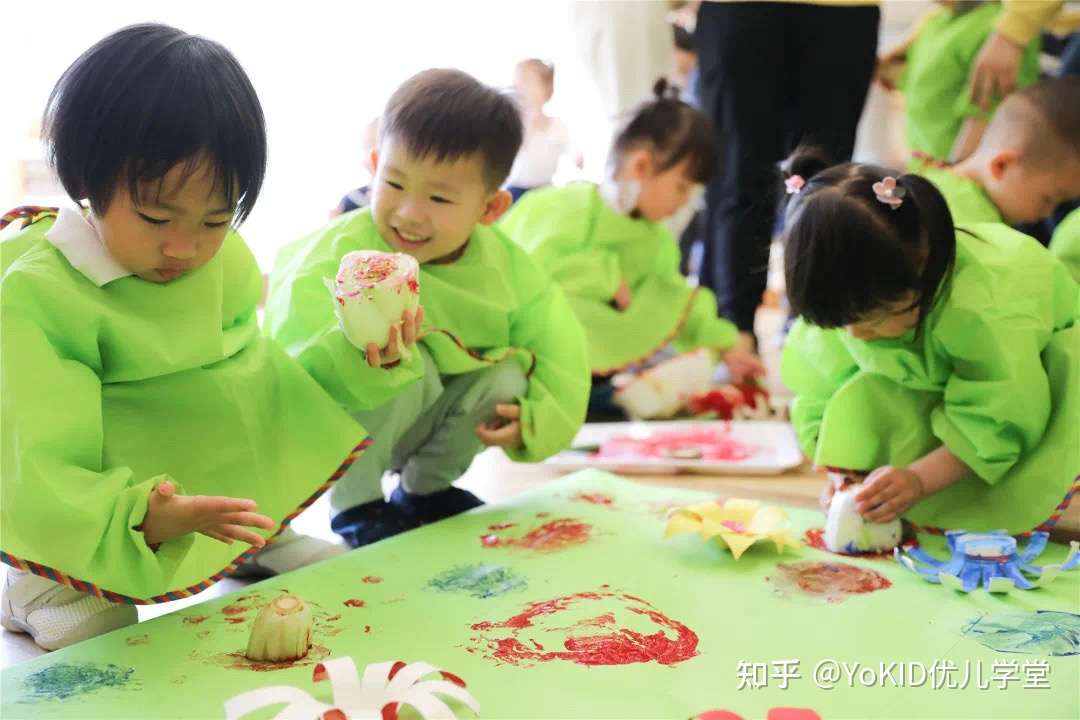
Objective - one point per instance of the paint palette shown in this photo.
(661, 448)
(568, 603)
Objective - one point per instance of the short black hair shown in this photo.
(847, 254)
(448, 114)
(673, 130)
(683, 39)
(145, 99)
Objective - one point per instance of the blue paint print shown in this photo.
(480, 581)
(65, 680)
(1045, 632)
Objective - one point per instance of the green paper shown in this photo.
(180, 665)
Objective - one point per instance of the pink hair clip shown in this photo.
(794, 184)
(888, 192)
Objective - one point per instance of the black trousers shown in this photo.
(772, 75)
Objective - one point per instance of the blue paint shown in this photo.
(480, 581)
(64, 680)
(1045, 632)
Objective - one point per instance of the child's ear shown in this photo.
(374, 160)
(497, 204)
(639, 163)
(1001, 161)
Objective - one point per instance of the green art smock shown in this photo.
(1065, 243)
(967, 201)
(112, 384)
(935, 80)
(994, 376)
(590, 249)
(489, 304)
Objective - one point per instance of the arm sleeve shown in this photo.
(1021, 20)
(815, 364)
(702, 328)
(54, 483)
(300, 317)
(554, 405)
(997, 399)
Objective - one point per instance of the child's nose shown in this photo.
(179, 249)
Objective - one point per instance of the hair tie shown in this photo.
(888, 192)
(794, 184)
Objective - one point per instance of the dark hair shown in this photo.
(683, 39)
(673, 130)
(145, 99)
(1057, 100)
(847, 254)
(449, 114)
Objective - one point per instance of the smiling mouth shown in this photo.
(409, 240)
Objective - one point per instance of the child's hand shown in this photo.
(889, 67)
(169, 516)
(743, 364)
(887, 493)
(404, 334)
(505, 431)
(622, 296)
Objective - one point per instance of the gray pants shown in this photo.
(428, 431)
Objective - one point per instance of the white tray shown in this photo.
(780, 449)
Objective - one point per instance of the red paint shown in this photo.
(234, 609)
(717, 715)
(371, 579)
(831, 581)
(195, 619)
(726, 400)
(414, 286)
(501, 526)
(783, 713)
(395, 669)
(555, 535)
(815, 538)
(583, 645)
(389, 711)
(239, 661)
(694, 443)
(451, 677)
(352, 602)
(595, 498)
(334, 714)
(235, 620)
(734, 525)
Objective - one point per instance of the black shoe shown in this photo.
(372, 522)
(434, 507)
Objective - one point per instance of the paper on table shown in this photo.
(738, 523)
(384, 688)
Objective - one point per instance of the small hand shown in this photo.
(888, 68)
(404, 333)
(995, 70)
(887, 493)
(623, 296)
(170, 516)
(743, 364)
(505, 430)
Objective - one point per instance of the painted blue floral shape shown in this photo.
(991, 559)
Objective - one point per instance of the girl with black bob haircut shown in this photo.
(147, 99)
(938, 363)
(610, 250)
(148, 424)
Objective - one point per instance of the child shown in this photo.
(617, 263)
(944, 360)
(147, 424)
(500, 360)
(1027, 163)
(360, 197)
(941, 121)
(546, 138)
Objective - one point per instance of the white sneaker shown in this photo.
(56, 615)
(289, 550)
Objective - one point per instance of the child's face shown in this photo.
(532, 88)
(171, 233)
(889, 322)
(428, 208)
(664, 193)
(1026, 194)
